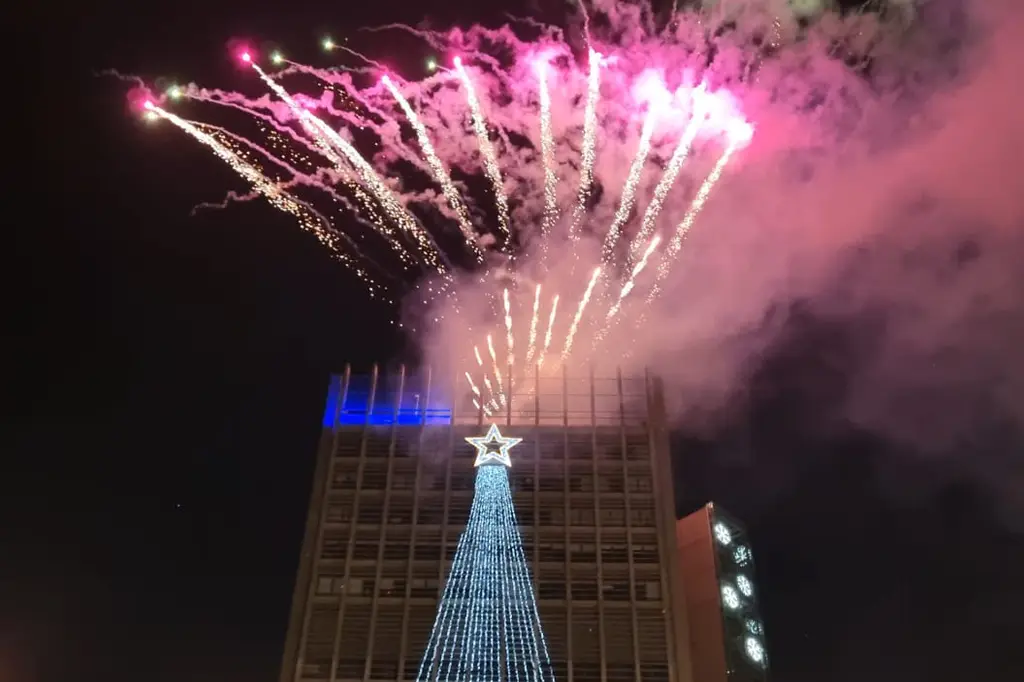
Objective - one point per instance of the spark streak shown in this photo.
(665, 266)
(490, 158)
(629, 188)
(589, 143)
(496, 368)
(571, 336)
(630, 283)
(510, 339)
(532, 347)
(390, 203)
(472, 384)
(547, 148)
(671, 173)
(308, 218)
(438, 169)
(551, 328)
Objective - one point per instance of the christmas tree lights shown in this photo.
(487, 625)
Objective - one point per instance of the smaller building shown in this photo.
(725, 626)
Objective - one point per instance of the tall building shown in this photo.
(726, 630)
(592, 490)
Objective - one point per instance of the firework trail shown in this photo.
(439, 171)
(320, 145)
(490, 158)
(510, 339)
(587, 154)
(472, 384)
(571, 336)
(629, 188)
(547, 336)
(374, 168)
(392, 207)
(547, 148)
(668, 258)
(675, 164)
(628, 286)
(309, 219)
(532, 347)
(496, 368)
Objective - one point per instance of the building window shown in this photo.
(639, 484)
(616, 591)
(641, 517)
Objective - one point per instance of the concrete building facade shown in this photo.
(592, 487)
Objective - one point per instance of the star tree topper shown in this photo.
(485, 447)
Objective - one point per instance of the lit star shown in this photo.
(485, 453)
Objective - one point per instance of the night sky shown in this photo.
(166, 387)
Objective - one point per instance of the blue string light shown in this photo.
(488, 614)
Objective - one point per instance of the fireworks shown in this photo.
(404, 156)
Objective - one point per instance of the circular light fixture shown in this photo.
(741, 555)
(722, 533)
(755, 650)
(754, 627)
(746, 587)
(730, 597)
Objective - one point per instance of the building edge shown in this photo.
(670, 567)
(318, 499)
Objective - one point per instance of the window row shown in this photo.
(577, 446)
(335, 549)
(546, 589)
(385, 587)
(611, 514)
(606, 481)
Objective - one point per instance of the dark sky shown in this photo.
(166, 383)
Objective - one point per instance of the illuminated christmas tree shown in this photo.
(487, 626)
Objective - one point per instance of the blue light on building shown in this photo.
(415, 408)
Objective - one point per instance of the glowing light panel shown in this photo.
(754, 649)
(730, 597)
(722, 534)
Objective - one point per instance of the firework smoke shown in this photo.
(879, 181)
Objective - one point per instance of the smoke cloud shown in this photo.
(859, 261)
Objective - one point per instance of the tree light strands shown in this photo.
(487, 614)
(437, 168)
(517, 561)
(490, 158)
